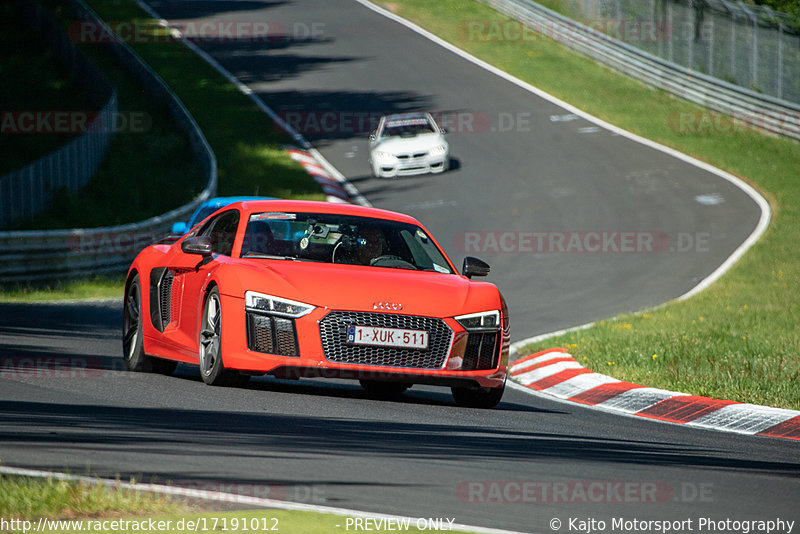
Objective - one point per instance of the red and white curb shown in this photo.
(554, 372)
(331, 185)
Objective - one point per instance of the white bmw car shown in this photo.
(406, 144)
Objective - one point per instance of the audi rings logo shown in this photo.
(391, 306)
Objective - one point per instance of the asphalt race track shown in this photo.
(324, 442)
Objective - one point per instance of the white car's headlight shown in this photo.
(488, 320)
(275, 305)
(383, 155)
(439, 150)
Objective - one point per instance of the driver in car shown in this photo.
(371, 245)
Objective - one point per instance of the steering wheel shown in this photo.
(390, 260)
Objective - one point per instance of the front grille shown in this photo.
(271, 335)
(481, 351)
(165, 297)
(333, 332)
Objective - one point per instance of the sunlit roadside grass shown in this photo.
(63, 507)
(737, 340)
(98, 287)
(30, 498)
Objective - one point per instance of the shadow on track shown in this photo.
(174, 431)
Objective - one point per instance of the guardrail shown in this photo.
(28, 191)
(58, 254)
(762, 111)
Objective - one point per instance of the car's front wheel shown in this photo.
(212, 370)
(478, 397)
(132, 337)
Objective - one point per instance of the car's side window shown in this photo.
(222, 231)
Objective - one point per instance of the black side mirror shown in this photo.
(474, 267)
(197, 245)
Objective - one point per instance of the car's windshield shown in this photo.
(408, 127)
(333, 238)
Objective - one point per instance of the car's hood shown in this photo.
(360, 288)
(420, 143)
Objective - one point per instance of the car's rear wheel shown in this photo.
(132, 340)
(377, 389)
(212, 370)
(477, 397)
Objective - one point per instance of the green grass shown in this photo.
(29, 498)
(92, 507)
(739, 339)
(97, 287)
(130, 185)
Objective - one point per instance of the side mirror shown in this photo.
(179, 228)
(372, 136)
(474, 267)
(443, 130)
(197, 245)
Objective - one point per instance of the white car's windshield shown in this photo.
(407, 127)
(332, 238)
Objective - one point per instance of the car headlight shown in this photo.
(439, 150)
(383, 155)
(275, 305)
(488, 320)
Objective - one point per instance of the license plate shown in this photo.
(387, 337)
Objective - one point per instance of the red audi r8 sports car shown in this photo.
(311, 289)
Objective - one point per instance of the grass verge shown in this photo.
(80, 507)
(737, 340)
(96, 287)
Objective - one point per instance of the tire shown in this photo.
(478, 397)
(132, 337)
(212, 370)
(379, 390)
